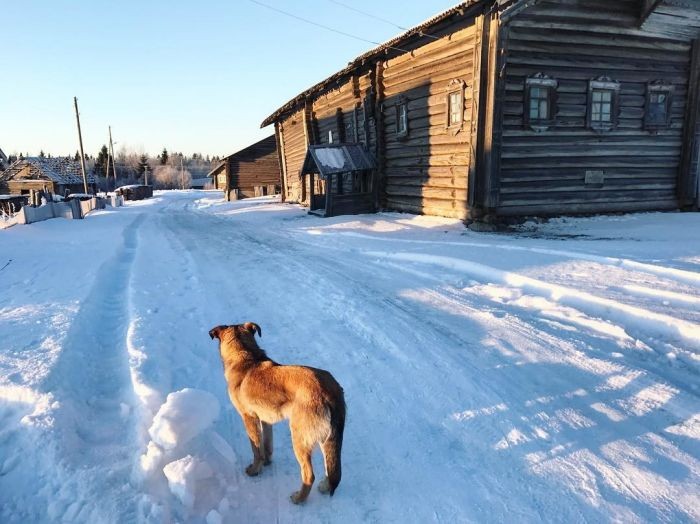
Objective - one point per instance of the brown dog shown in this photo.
(265, 392)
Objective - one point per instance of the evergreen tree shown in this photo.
(100, 168)
(143, 164)
(163, 157)
(41, 154)
(77, 156)
(21, 156)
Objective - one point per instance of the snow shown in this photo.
(331, 157)
(547, 374)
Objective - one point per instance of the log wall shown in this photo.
(544, 172)
(256, 165)
(427, 170)
(293, 144)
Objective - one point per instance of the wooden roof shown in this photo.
(62, 170)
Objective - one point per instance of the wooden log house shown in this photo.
(250, 172)
(500, 108)
(58, 175)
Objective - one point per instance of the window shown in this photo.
(539, 108)
(603, 104)
(658, 105)
(454, 103)
(402, 119)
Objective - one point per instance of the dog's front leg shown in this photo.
(267, 443)
(252, 427)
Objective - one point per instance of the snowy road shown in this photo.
(548, 375)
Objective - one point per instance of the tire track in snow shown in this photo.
(93, 420)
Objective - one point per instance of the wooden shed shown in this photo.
(250, 172)
(497, 108)
(58, 175)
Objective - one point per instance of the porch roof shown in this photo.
(331, 159)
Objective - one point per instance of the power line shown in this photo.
(338, 31)
(370, 15)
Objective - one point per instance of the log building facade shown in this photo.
(517, 107)
(250, 172)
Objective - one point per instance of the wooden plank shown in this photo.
(687, 175)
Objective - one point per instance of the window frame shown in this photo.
(401, 107)
(603, 84)
(540, 81)
(457, 87)
(653, 88)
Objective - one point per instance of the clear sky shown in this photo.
(190, 76)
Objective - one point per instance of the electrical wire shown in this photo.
(338, 31)
(370, 15)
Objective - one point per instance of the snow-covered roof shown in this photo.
(329, 159)
(62, 170)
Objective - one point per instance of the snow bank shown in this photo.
(184, 415)
(183, 477)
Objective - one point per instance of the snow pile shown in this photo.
(183, 477)
(184, 415)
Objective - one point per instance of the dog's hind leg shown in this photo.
(252, 427)
(267, 443)
(302, 450)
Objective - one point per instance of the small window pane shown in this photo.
(402, 119)
(455, 108)
(539, 103)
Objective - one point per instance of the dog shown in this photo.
(265, 392)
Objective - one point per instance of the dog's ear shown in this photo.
(253, 327)
(215, 332)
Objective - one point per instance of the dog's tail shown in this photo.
(334, 444)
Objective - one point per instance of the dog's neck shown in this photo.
(238, 355)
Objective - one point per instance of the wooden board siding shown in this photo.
(254, 166)
(292, 134)
(544, 172)
(427, 171)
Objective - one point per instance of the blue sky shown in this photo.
(189, 76)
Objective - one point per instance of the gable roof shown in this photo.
(62, 170)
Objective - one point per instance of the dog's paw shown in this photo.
(324, 486)
(267, 462)
(297, 497)
(254, 469)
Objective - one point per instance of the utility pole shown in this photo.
(114, 161)
(80, 138)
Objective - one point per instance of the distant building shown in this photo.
(250, 172)
(57, 175)
(201, 183)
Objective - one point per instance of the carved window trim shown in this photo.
(455, 91)
(545, 88)
(603, 99)
(654, 89)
